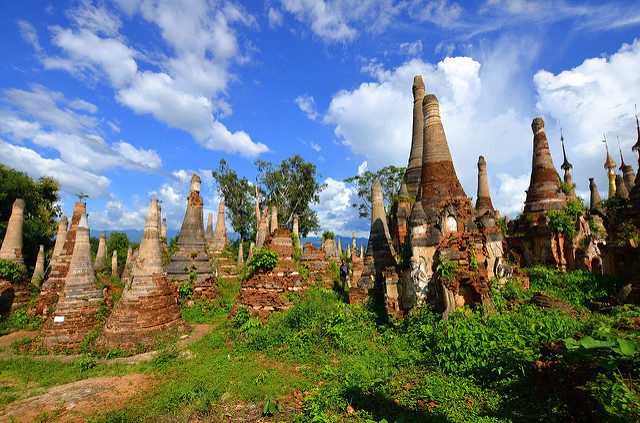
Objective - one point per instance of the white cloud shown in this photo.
(593, 98)
(411, 49)
(29, 34)
(275, 17)
(362, 168)
(189, 93)
(307, 104)
(510, 195)
(335, 211)
(72, 179)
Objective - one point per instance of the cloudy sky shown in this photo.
(124, 100)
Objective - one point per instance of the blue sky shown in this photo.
(124, 100)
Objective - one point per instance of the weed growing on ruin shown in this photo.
(19, 319)
(500, 223)
(447, 269)
(263, 260)
(565, 221)
(328, 235)
(12, 272)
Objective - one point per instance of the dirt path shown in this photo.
(74, 401)
(199, 330)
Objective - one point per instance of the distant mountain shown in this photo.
(135, 235)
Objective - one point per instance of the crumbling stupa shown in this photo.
(114, 263)
(12, 244)
(38, 271)
(219, 238)
(414, 167)
(61, 237)
(544, 191)
(208, 234)
(191, 255)
(483, 202)
(147, 308)
(566, 166)
(102, 251)
(76, 312)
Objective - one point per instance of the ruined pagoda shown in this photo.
(147, 308)
(219, 236)
(191, 255)
(102, 251)
(76, 312)
(414, 167)
(483, 201)
(13, 239)
(566, 166)
(544, 193)
(610, 165)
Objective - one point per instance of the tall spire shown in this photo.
(208, 235)
(102, 251)
(439, 180)
(610, 165)
(414, 168)
(380, 249)
(622, 165)
(219, 239)
(12, 244)
(566, 166)
(60, 239)
(38, 271)
(544, 192)
(595, 200)
(483, 202)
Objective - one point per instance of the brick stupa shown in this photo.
(219, 238)
(380, 252)
(61, 237)
(191, 241)
(38, 270)
(60, 266)
(147, 308)
(12, 244)
(483, 201)
(208, 234)
(414, 167)
(544, 191)
(76, 312)
(102, 251)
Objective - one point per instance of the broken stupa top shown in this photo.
(12, 244)
(544, 192)
(219, 239)
(192, 231)
(439, 180)
(102, 251)
(81, 278)
(483, 202)
(413, 173)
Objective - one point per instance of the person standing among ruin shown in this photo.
(344, 274)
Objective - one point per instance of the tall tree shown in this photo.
(292, 186)
(40, 212)
(390, 177)
(238, 199)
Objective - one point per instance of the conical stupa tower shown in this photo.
(621, 189)
(595, 203)
(339, 247)
(296, 232)
(544, 191)
(414, 168)
(219, 239)
(263, 228)
(439, 184)
(60, 239)
(126, 272)
(76, 312)
(353, 241)
(208, 235)
(147, 308)
(102, 251)
(628, 175)
(38, 271)
(380, 252)
(240, 255)
(566, 166)
(274, 219)
(60, 267)
(114, 263)
(191, 241)
(610, 165)
(12, 244)
(163, 233)
(483, 202)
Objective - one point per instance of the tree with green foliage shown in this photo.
(292, 186)
(238, 199)
(390, 177)
(40, 211)
(117, 241)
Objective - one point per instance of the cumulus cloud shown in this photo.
(189, 92)
(307, 104)
(593, 98)
(335, 212)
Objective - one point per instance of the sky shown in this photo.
(124, 100)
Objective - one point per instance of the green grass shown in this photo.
(507, 365)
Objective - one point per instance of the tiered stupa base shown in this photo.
(70, 324)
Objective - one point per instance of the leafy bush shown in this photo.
(447, 269)
(565, 221)
(328, 235)
(19, 319)
(502, 225)
(12, 272)
(263, 260)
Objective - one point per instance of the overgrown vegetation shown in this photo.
(263, 260)
(565, 221)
